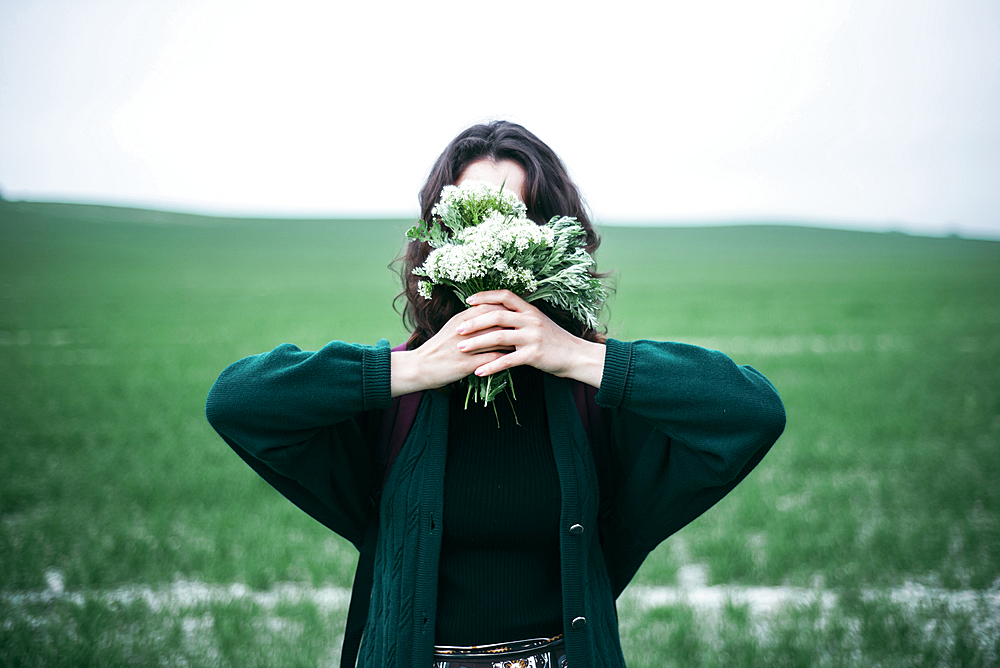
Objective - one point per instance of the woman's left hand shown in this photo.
(534, 338)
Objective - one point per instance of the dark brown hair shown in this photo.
(548, 192)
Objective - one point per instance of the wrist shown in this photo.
(405, 372)
(588, 363)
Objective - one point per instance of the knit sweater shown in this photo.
(685, 425)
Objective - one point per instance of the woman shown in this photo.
(525, 544)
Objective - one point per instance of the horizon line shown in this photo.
(730, 220)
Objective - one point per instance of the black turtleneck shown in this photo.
(499, 575)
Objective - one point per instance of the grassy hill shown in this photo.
(115, 322)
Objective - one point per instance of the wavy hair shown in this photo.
(548, 192)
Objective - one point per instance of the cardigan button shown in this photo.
(576, 529)
(579, 622)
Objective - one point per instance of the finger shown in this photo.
(483, 347)
(479, 310)
(458, 321)
(505, 297)
(483, 357)
(491, 340)
(500, 317)
(508, 361)
(487, 330)
(503, 350)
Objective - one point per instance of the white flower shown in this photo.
(476, 196)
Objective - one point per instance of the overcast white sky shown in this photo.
(881, 114)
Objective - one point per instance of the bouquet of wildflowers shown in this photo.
(482, 239)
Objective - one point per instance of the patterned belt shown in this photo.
(534, 653)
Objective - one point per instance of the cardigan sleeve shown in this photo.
(687, 425)
(303, 421)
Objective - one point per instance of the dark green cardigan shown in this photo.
(686, 424)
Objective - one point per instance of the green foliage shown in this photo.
(435, 235)
(856, 632)
(105, 633)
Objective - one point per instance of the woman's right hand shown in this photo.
(439, 361)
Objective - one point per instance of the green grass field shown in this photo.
(115, 322)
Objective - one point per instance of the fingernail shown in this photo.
(471, 300)
(479, 371)
(460, 330)
(462, 346)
